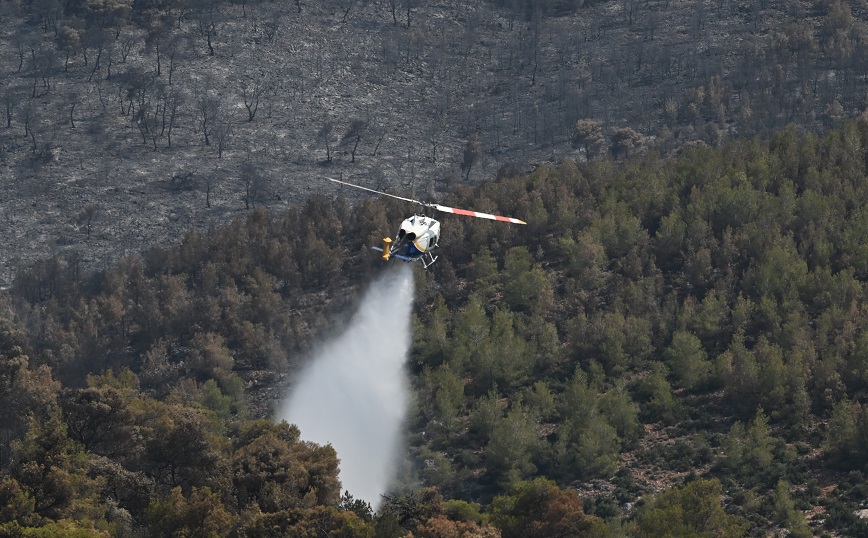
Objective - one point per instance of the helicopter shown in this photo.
(418, 234)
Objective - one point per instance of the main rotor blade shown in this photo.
(378, 192)
(469, 213)
(438, 207)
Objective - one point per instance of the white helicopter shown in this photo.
(418, 234)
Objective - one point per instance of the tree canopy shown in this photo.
(667, 343)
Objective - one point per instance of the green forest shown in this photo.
(671, 346)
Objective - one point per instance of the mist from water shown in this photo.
(354, 392)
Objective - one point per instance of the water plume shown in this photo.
(354, 392)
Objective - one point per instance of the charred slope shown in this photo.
(125, 127)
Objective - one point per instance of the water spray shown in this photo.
(354, 393)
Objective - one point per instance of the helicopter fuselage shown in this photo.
(418, 235)
(416, 238)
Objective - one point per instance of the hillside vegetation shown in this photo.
(670, 345)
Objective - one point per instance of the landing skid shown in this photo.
(427, 260)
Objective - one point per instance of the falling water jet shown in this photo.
(354, 392)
